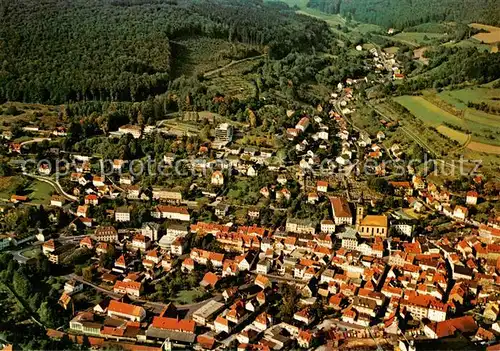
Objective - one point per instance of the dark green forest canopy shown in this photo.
(405, 13)
(61, 50)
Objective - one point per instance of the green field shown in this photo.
(417, 38)
(484, 128)
(460, 98)
(32, 253)
(469, 43)
(185, 297)
(427, 112)
(39, 192)
(457, 135)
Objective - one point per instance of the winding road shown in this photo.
(54, 183)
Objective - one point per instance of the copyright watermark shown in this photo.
(186, 167)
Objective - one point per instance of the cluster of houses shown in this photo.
(369, 273)
(396, 285)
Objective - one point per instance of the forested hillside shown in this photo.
(405, 13)
(59, 50)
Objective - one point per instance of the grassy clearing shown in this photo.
(195, 55)
(31, 253)
(331, 20)
(299, 3)
(417, 38)
(39, 192)
(433, 28)
(427, 112)
(469, 43)
(391, 50)
(185, 297)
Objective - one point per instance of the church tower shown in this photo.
(360, 213)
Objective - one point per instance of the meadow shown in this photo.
(484, 128)
(417, 38)
(460, 98)
(427, 112)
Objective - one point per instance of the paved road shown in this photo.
(32, 141)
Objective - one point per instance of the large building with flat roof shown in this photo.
(207, 312)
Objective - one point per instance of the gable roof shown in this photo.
(185, 325)
(125, 308)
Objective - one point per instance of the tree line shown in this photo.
(402, 14)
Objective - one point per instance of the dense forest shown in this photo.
(406, 13)
(70, 50)
(452, 66)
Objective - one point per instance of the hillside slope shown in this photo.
(405, 13)
(60, 50)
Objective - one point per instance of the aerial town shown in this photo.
(340, 265)
(249, 175)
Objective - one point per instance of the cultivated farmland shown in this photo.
(455, 120)
(493, 35)
(457, 135)
(427, 112)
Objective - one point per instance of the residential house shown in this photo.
(341, 211)
(127, 311)
(122, 214)
(471, 198)
(57, 200)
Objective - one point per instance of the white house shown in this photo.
(471, 198)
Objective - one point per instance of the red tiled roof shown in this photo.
(125, 308)
(210, 278)
(185, 325)
(127, 285)
(446, 328)
(172, 209)
(340, 207)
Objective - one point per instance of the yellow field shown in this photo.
(453, 134)
(480, 147)
(492, 37)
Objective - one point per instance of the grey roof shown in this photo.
(172, 335)
(349, 233)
